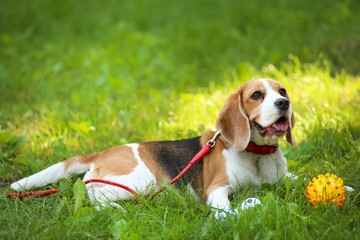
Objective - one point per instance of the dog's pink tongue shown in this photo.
(283, 126)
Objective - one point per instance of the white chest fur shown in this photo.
(247, 168)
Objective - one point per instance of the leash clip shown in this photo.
(212, 141)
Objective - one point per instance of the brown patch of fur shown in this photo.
(115, 161)
(84, 159)
(118, 160)
(251, 106)
(274, 85)
(214, 169)
(233, 121)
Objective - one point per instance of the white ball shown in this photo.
(250, 202)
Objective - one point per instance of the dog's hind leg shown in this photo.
(105, 195)
(65, 169)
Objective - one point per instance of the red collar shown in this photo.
(261, 149)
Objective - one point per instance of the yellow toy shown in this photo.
(326, 189)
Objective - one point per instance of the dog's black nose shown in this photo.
(282, 104)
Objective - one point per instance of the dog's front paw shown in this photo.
(349, 189)
(224, 213)
(248, 203)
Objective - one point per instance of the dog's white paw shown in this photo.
(349, 189)
(103, 205)
(248, 203)
(17, 186)
(224, 213)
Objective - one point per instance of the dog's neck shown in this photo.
(259, 140)
(255, 138)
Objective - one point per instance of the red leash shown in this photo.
(197, 157)
(38, 194)
(34, 194)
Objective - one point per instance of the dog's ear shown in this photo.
(289, 136)
(234, 123)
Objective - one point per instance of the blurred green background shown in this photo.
(163, 44)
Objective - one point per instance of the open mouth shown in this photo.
(277, 128)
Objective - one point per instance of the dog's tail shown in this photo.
(65, 169)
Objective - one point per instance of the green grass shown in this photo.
(82, 77)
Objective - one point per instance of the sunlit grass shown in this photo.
(326, 132)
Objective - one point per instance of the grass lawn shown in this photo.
(79, 77)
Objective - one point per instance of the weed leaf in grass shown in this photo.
(83, 215)
(65, 187)
(79, 193)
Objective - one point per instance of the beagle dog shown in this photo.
(252, 120)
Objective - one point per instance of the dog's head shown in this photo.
(261, 106)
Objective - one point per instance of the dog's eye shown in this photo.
(256, 95)
(282, 92)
